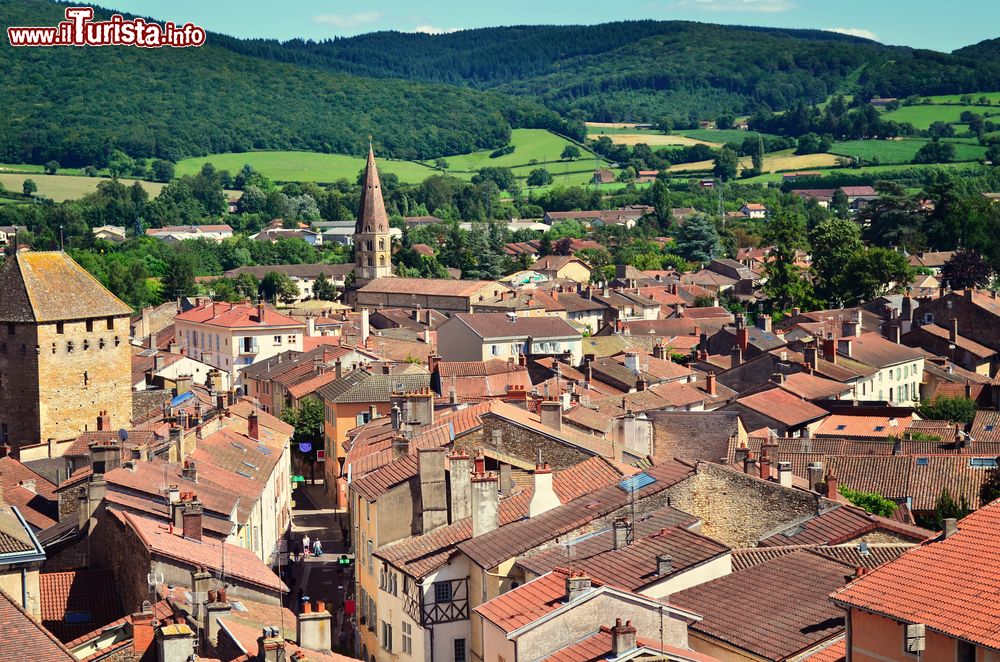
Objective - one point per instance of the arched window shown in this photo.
(381, 260)
(381, 244)
(369, 261)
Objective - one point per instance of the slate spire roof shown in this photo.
(48, 286)
(371, 214)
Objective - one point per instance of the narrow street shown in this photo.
(322, 578)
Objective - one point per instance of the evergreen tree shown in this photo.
(659, 194)
(786, 284)
(698, 239)
(178, 281)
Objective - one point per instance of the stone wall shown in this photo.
(737, 509)
(522, 445)
(115, 545)
(19, 385)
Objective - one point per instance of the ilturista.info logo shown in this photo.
(79, 29)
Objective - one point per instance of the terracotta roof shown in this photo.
(25, 635)
(80, 593)
(812, 387)
(740, 608)
(949, 585)
(876, 554)
(33, 495)
(876, 350)
(835, 652)
(507, 542)
(846, 425)
(241, 563)
(365, 386)
(529, 602)
(50, 287)
(238, 316)
(15, 537)
(839, 525)
(431, 286)
(783, 407)
(960, 341)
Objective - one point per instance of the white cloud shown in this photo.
(855, 32)
(431, 29)
(347, 21)
(761, 6)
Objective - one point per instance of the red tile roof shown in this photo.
(39, 505)
(847, 425)
(529, 602)
(237, 316)
(21, 633)
(835, 652)
(597, 648)
(950, 585)
(838, 525)
(783, 407)
(81, 591)
(742, 609)
(240, 563)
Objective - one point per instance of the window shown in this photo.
(90, 326)
(841, 427)
(277, 340)
(922, 461)
(60, 327)
(983, 462)
(3, 433)
(387, 636)
(495, 350)
(10, 329)
(965, 652)
(407, 641)
(86, 378)
(442, 592)
(988, 428)
(371, 558)
(111, 323)
(459, 650)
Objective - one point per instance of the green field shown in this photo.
(24, 167)
(720, 135)
(304, 166)
(994, 98)
(901, 151)
(776, 176)
(65, 187)
(538, 145)
(923, 116)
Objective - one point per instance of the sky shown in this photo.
(917, 23)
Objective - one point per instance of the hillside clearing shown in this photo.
(66, 187)
(657, 140)
(286, 166)
(772, 162)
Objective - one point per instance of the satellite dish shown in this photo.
(123, 435)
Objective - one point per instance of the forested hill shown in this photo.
(645, 70)
(75, 104)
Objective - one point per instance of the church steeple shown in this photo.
(372, 243)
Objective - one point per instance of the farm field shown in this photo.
(901, 151)
(26, 167)
(776, 176)
(720, 136)
(66, 187)
(657, 140)
(784, 160)
(923, 116)
(304, 166)
(994, 98)
(536, 145)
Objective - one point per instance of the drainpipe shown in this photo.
(24, 589)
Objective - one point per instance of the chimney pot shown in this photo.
(950, 527)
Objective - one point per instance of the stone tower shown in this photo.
(64, 351)
(372, 243)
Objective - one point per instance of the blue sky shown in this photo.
(919, 23)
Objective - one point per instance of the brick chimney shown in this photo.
(749, 464)
(215, 609)
(543, 497)
(190, 471)
(830, 348)
(142, 629)
(743, 338)
(577, 584)
(740, 454)
(664, 565)
(433, 488)
(460, 477)
(811, 355)
(182, 384)
(315, 629)
(103, 421)
(659, 350)
(485, 503)
(831, 486)
(260, 312)
(622, 638)
(765, 467)
(253, 426)
(551, 414)
(191, 518)
(622, 530)
(710, 386)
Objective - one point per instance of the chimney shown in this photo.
(315, 629)
(830, 348)
(641, 384)
(906, 308)
(851, 328)
(659, 350)
(190, 471)
(551, 414)
(785, 474)
(182, 384)
(421, 407)
(743, 338)
(214, 609)
(622, 638)
(737, 356)
(897, 446)
(105, 456)
(764, 322)
(664, 565)
(396, 416)
(142, 629)
(485, 503)
(632, 361)
(749, 464)
(460, 475)
(253, 426)
(338, 369)
(740, 454)
(577, 584)
(811, 355)
(270, 645)
(831, 486)
(201, 580)
(103, 421)
(433, 361)
(191, 518)
(175, 642)
(622, 532)
(765, 467)
(364, 327)
(950, 527)
(543, 498)
(710, 386)
(815, 471)
(506, 478)
(953, 330)
(433, 488)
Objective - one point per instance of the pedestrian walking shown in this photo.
(317, 548)
(305, 544)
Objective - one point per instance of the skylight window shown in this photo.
(879, 428)
(989, 427)
(922, 461)
(841, 427)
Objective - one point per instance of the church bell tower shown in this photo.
(372, 242)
